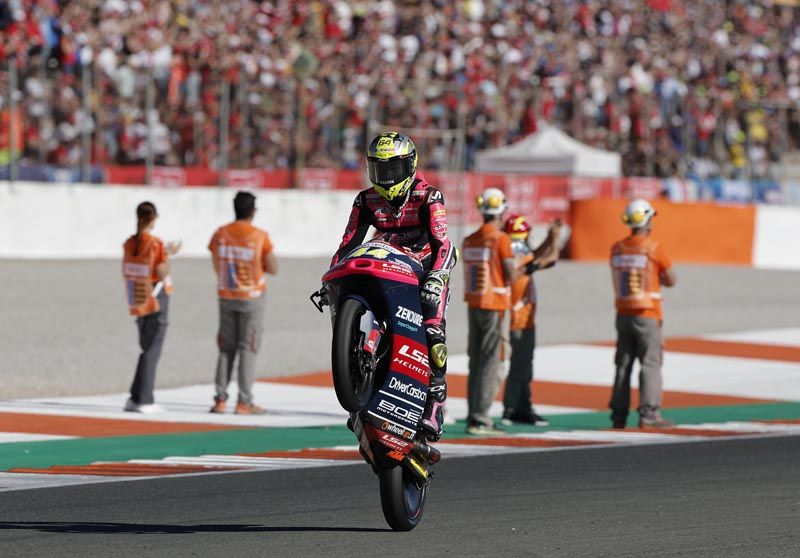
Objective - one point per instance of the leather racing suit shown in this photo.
(420, 226)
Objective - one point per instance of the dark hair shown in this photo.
(244, 204)
(145, 214)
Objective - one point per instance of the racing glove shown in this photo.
(433, 288)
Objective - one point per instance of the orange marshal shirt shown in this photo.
(523, 295)
(484, 281)
(239, 250)
(139, 271)
(636, 264)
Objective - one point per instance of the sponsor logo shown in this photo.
(393, 442)
(629, 260)
(407, 389)
(409, 327)
(554, 204)
(409, 315)
(135, 270)
(476, 254)
(411, 367)
(397, 455)
(409, 416)
(439, 213)
(236, 253)
(414, 354)
(440, 227)
(389, 427)
(396, 267)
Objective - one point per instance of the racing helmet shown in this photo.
(638, 213)
(392, 166)
(517, 227)
(491, 202)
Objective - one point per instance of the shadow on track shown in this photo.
(146, 529)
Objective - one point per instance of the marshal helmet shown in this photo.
(492, 202)
(638, 214)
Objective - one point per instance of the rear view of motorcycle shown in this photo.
(380, 370)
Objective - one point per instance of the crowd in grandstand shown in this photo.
(705, 86)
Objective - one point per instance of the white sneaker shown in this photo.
(146, 409)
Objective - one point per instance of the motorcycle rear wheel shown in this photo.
(353, 385)
(402, 500)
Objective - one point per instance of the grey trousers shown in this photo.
(241, 323)
(152, 332)
(483, 349)
(637, 338)
(517, 397)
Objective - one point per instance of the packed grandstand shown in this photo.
(679, 88)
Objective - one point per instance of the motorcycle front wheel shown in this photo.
(402, 499)
(352, 383)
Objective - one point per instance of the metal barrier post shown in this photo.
(13, 79)
(86, 155)
(244, 107)
(224, 116)
(150, 102)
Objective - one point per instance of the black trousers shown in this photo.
(152, 332)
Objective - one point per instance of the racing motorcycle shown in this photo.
(380, 370)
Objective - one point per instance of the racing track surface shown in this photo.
(723, 498)
(65, 329)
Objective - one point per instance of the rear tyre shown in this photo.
(401, 499)
(353, 383)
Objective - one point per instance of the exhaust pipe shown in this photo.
(429, 453)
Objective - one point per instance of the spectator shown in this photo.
(639, 266)
(652, 80)
(145, 267)
(517, 403)
(488, 270)
(241, 254)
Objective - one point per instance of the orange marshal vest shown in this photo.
(523, 294)
(239, 249)
(636, 277)
(141, 282)
(484, 280)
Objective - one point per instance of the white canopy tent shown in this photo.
(550, 152)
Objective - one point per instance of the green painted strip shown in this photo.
(687, 415)
(83, 451)
(121, 448)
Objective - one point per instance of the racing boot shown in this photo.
(433, 415)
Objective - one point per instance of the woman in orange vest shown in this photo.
(517, 406)
(639, 266)
(145, 267)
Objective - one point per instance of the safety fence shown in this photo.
(761, 236)
(541, 198)
(84, 221)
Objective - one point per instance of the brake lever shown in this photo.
(317, 305)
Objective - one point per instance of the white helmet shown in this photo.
(638, 214)
(491, 202)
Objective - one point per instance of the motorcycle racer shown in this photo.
(409, 212)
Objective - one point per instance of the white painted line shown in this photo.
(748, 427)
(789, 336)
(11, 437)
(621, 436)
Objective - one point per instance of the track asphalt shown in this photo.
(65, 329)
(573, 489)
(724, 498)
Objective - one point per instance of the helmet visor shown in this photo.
(388, 172)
